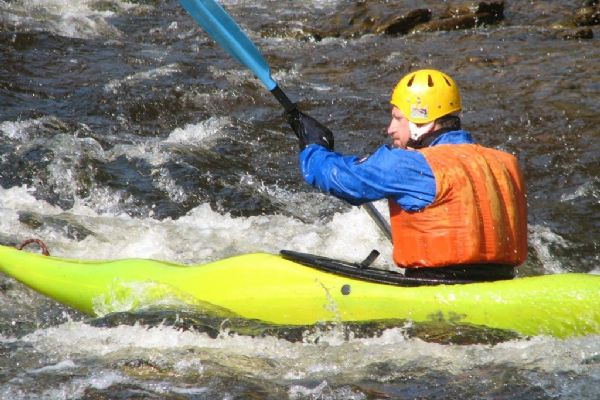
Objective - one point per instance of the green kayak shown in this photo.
(277, 289)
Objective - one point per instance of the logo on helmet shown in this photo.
(416, 112)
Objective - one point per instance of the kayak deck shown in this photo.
(362, 270)
(275, 290)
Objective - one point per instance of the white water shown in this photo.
(74, 357)
(74, 348)
(76, 19)
(200, 236)
(66, 360)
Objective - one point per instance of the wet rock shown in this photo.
(63, 222)
(466, 17)
(570, 34)
(457, 11)
(7, 240)
(449, 24)
(382, 17)
(369, 17)
(587, 16)
(494, 9)
(402, 24)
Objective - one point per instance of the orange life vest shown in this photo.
(478, 216)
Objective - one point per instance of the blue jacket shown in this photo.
(393, 173)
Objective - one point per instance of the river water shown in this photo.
(126, 132)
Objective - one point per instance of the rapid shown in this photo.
(126, 132)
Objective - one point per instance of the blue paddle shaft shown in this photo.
(226, 32)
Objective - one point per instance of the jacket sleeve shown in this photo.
(401, 175)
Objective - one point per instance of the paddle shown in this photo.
(226, 32)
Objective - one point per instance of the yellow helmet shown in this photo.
(425, 95)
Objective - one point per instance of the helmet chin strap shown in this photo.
(425, 133)
(417, 131)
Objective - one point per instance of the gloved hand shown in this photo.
(309, 130)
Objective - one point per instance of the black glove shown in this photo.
(309, 130)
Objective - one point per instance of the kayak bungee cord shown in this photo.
(42, 245)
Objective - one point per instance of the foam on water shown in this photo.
(74, 345)
(541, 238)
(19, 130)
(138, 77)
(74, 340)
(196, 134)
(201, 235)
(588, 188)
(76, 19)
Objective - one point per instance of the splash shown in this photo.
(76, 19)
(542, 239)
(136, 355)
(195, 134)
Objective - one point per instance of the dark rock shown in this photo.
(457, 11)
(383, 17)
(62, 222)
(489, 9)
(493, 11)
(448, 24)
(403, 24)
(587, 16)
(581, 33)
(463, 17)
(371, 17)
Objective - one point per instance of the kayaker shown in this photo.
(457, 209)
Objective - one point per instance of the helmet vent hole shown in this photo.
(429, 81)
(447, 82)
(410, 81)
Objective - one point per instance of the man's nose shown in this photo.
(390, 129)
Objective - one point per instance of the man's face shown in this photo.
(398, 129)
